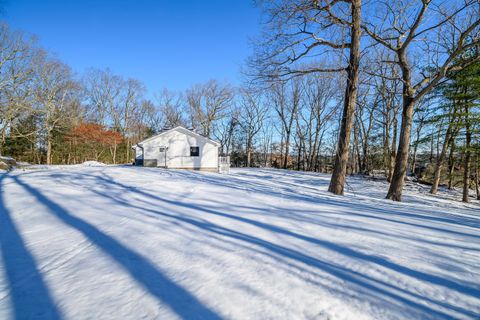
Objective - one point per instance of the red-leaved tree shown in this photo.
(92, 140)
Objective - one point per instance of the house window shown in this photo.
(194, 151)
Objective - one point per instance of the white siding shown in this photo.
(138, 153)
(178, 153)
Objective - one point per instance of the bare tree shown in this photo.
(408, 30)
(102, 93)
(298, 32)
(115, 102)
(146, 121)
(266, 142)
(16, 71)
(337, 183)
(286, 101)
(171, 108)
(421, 117)
(467, 153)
(251, 119)
(53, 94)
(452, 123)
(129, 111)
(386, 86)
(364, 120)
(320, 96)
(226, 130)
(207, 103)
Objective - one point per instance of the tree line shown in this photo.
(378, 88)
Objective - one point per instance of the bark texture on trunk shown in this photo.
(401, 160)
(249, 152)
(393, 148)
(49, 149)
(466, 178)
(337, 182)
(439, 164)
(466, 171)
(451, 164)
(477, 186)
(287, 151)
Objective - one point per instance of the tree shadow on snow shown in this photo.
(178, 299)
(365, 283)
(28, 292)
(291, 191)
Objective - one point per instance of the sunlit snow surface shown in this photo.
(113, 242)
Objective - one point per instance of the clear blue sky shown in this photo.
(164, 43)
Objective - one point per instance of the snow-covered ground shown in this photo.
(113, 242)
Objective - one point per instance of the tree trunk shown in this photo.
(281, 150)
(414, 158)
(287, 149)
(466, 177)
(313, 153)
(432, 140)
(49, 149)
(2, 145)
(365, 162)
(249, 152)
(114, 153)
(401, 159)
(451, 164)
(393, 148)
(386, 148)
(466, 171)
(415, 149)
(299, 156)
(358, 167)
(438, 166)
(337, 182)
(128, 149)
(477, 187)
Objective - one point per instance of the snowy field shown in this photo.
(113, 242)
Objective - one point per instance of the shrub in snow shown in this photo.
(8, 160)
(4, 166)
(7, 163)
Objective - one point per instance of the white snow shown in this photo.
(122, 242)
(93, 164)
(23, 164)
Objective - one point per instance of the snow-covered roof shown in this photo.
(181, 129)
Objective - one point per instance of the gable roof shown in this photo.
(181, 129)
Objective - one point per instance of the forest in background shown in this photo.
(327, 90)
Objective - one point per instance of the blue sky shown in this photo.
(164, 43)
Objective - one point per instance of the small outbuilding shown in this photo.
(178, 148)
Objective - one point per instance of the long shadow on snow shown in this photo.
(461, 287)
(28, 291)
(290, 191)
(348, 224)
(178, 299)
(306, 216)
(313, 184)
(346, 275)
(362, 281)
(422, 276)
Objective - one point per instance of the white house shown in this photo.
(178, 148)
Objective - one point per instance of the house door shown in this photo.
(162, 157)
